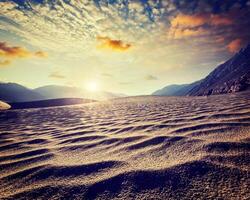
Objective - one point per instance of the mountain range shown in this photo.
(13, 92)
(229, 77)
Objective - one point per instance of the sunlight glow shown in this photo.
(92, 86)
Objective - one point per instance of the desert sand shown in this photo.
(4, 106)
(130, 148)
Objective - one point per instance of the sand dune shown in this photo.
(131, 148)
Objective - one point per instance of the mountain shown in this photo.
(176, 90)
(12, 92)
(169, 90)
(232, 76)
(57, 91)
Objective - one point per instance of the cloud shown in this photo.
(41, 54)
(107, 75)
(57, 75)
(108, 43)
(8, 53)
(195, 20)
(234, 45)
(150, 78)
(220, 39)
(219, 20)
(188, 20)
(179, 33)
(76, 24)
(184, 25)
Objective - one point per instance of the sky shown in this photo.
(124, 46)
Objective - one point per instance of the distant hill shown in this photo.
(12, 92)
(169, 90)
(176, 90)
(232, 76)
(49, 103)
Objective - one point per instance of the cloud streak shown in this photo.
(57, 75)
(196, 20)
(13, 51)
(201, 24)
(150, 78)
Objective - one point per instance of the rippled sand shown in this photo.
(132, 148)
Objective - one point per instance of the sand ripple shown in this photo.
(131, 148)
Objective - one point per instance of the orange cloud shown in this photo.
(117, 45)
(188, 20)
(13, 52)
(196, 20)
(234, 45)
(183, 26)
(7, 51)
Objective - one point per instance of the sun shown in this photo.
(92, 86)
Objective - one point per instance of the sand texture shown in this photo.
(131, 148)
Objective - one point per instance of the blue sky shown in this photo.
(133, 47)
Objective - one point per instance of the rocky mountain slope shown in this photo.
(232, 76)
(229, 77)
